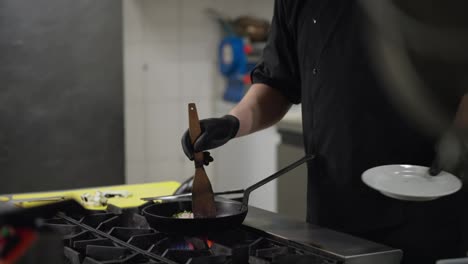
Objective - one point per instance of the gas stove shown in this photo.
(123, 236)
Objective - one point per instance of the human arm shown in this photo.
(452, 150)
(261, 107)
(276, 85)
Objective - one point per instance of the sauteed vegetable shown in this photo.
(184, 215)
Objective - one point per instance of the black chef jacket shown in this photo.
(316, 55)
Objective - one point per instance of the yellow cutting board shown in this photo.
(137, 190)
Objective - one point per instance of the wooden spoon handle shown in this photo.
(195, 131)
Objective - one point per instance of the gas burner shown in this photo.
(103, 237)
(124, 236)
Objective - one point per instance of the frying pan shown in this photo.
(229, 213)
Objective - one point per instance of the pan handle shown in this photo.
(245, 200)
(174, 197)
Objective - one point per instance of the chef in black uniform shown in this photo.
(316, 55)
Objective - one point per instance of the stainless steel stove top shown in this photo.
(123, 236)
(345, 248)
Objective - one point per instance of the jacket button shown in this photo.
(314, 71)
(315, 21)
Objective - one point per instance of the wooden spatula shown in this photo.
(203, 205)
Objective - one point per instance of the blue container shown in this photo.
(233, 65)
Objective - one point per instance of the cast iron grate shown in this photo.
(124, 236)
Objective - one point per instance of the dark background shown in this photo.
(61, 94)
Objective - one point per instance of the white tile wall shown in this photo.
(163, 81)
(137, 170)
(170, 54)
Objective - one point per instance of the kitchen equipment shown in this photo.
(123, 235)
(453, 261)
(410, 182)
(230, 214)
(137, 190)
(22, 241)
(234, 66)
(203, 205)
(31, 200)
(239, 51)
(255, 29)
(185, 195)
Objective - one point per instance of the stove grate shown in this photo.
(124, 236)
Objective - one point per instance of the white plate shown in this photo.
(410, 182)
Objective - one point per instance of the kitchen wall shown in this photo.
(170, 54)
(61, 100)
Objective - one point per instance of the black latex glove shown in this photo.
(215, 132)
(451, 153)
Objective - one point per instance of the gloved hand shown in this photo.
(452, 153)
(215, 132)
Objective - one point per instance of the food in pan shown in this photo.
(183, 215)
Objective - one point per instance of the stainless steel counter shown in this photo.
(347, 248)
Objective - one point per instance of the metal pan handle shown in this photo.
(173, 197)
(245, 200)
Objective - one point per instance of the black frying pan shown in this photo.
(229, 214)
